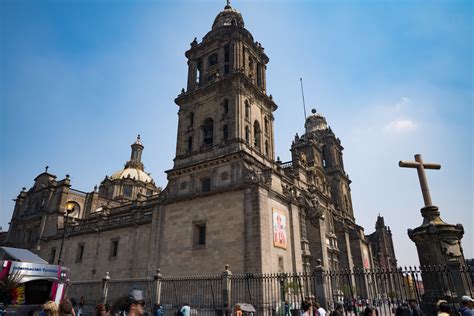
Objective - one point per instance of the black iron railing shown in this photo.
(283, 293)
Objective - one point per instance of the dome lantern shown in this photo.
(315, 122)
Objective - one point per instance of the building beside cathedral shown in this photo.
(228, 198)
(381, 244)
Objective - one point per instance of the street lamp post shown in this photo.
(69, 209)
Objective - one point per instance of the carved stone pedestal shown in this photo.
(441, 259)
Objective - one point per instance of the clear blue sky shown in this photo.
(79, 80)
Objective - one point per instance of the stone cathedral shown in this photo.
(229, 199)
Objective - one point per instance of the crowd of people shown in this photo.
(408, 308)
(133, 304)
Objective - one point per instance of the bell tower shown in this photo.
(328, 157)
(225, 108)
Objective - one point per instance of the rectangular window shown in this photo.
(200, 234)
(199, 74)
(190, 144)
(206, 185)
(259, 75)
(281, 267)
(110, 192)
(226, 53)
(225, 132)
(80, 252)
(212, 60)
(114, 248)
(52, 255)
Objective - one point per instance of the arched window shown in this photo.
(266, 148)
(208, 132)
(265, 124)
(247, 109)
(225, 107)
(257, 134)
(247, 134)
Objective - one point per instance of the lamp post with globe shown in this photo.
(70, 206)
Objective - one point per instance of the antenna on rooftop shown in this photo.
(302, 94)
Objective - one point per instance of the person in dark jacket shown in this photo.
(339, 311)
(403, 310)
(415, 309)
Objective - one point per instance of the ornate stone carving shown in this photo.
(451, 248)
(313, 208)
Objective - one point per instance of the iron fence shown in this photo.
(283, 293)
(203, 293)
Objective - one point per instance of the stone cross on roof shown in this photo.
(420, 167)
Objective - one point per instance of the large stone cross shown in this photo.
(420, 167)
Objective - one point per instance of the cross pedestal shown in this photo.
(439, 248)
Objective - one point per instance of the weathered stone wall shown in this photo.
(131, 260)
(223, 215)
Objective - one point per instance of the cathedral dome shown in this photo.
(315, 122)
(229, 16)
(132, 173)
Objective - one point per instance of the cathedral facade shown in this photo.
(229, 199)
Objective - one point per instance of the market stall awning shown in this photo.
(18, 254)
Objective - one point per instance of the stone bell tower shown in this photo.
(225, 191)
(225, 107)
(327, 154)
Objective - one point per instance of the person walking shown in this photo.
(369, 311)
(237, 311)
(467, 306)
(136, 302)
(415, 309)
(50, 308)
(65, 308)
(158, 310)
(339, 309)
(403, 310)
(443, 308)
(319, 310)
(306, 306)
(185, 310)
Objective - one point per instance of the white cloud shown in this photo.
(400, 126)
